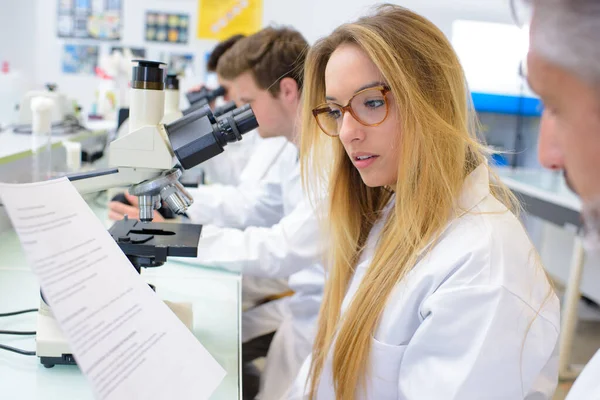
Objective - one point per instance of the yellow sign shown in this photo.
(220, 19)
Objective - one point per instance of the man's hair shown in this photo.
(270, 55)
(219, 50)
(567, 33)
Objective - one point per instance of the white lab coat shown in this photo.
(228, 166)
(250, 203)
(291, 248)
(256, 201)
(464, 323)
(587, 386)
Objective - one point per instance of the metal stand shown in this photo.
(568, 371)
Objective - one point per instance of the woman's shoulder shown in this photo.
(493, 234)
(487, 247)
(489, 239)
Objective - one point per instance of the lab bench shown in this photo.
(16, 156)
(14, 146)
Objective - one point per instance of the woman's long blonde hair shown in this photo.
(438, 149)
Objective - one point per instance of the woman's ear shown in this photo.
(288, 90)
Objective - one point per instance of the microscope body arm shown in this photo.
(145, 148)
(142, 160)
(104, 179)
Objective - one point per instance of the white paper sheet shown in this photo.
(126, 341)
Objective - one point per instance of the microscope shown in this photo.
(205, 94)
(198, 100)
(191, 177)
(172, 112)
(150, 160)
(203, 97)
(62, 106)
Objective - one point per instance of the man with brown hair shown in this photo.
(237, 157)
(219, 50)
(213, 60)
(266, 71)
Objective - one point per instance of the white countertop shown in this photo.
(542, 184)
(14, 143)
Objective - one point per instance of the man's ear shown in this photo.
(288, 90)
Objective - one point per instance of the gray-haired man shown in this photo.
(564, 69)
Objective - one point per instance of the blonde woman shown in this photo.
(435, 291)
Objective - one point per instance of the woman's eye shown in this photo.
(374, 103)
(334, 114)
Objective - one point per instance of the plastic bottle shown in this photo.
(13, 87)
(41, 138)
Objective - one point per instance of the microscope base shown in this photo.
(52, 347)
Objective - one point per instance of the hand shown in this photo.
(117, 210)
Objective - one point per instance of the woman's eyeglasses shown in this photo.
(369, 107)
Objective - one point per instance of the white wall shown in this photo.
(17, 36)
(492, 55)
(314, 18)
(49, 47)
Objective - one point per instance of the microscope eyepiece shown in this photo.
(205, 95)
(218, 92)
(196, 106)
(245, 119)
(149, 75)
(198, 136)
(233, 123)
(225, 108)
(172, 82)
